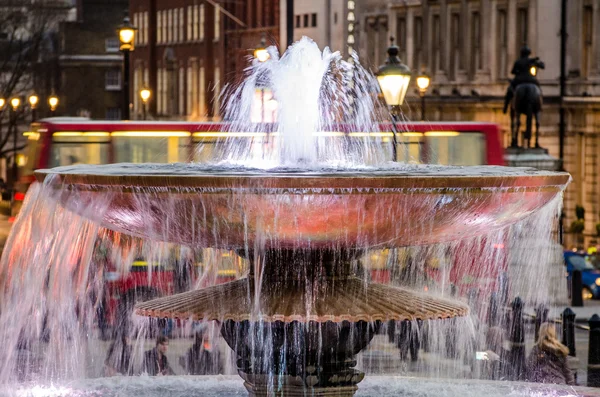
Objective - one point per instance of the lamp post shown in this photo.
(33, 101)
(393, 78)
(53, 103)
(14, 104)
(145, 95)
(423, 83)
(262, 55)
(126, 38)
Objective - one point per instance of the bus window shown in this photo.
(139, 149)
(79, 148)
(456, 149)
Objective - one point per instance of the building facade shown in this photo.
(186, 51)
(323, 21)
(468, 47)
(89, 82)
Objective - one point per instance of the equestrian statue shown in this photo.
(524, 96)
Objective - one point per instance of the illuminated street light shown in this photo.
(423, 83)
(533, 71)
(393, 78)
(2, 103)
(261, 52)
(33, 101)
(127, 40)
(15, 103)
(53, 102)
(145, 94)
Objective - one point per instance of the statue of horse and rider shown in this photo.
(524, 97)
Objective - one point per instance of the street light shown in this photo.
(53, 103)
(262, 55)
(14, 103)
(423, 83)
(33, 101)
(127, 39)
(145, 94)
(393, 78)
(2, 103)
(533, 71)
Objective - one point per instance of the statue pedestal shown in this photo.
(531, 157)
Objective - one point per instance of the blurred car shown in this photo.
(590, 276)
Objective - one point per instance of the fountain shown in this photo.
(301, 210)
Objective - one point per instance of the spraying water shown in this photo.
(74, 248)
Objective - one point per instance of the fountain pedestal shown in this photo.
(298, 321)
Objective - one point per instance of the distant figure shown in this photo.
(202, 358)
(547, 362)
(118, 357)
(155, 360)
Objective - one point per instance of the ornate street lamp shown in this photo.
(127, 39)
(423, 83)
(145, 95)
(393, 78)
(33, 101)
(14, 103)
(262, 55)
(53, 103)
(261, 52)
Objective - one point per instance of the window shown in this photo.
(164, 26)
(190, 25)
(113, 114)
(475, 42)
(146, 27)
(112, 44)
(171, 28)
(181, 24)
(335, 18)
(217, 22)
(176, 25)
(502, 44)
(202, 93)
(305, 20)
(195, 23)
(136, 22)
(455, 45)
(522, 28)
(588, 39)
(112, 80)
(183, 83)
(436, 39)
(401, 36)
(159, 27)
(189, 93)
(161, 91)
(418, 35)
(217, 100)
(313, 20)
(201, 22)
(82, 149)
(298, 21)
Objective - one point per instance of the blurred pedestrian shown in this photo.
(203, 358)
(155, 360)
(547, 362)
(118, 357)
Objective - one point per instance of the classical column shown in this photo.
(512, 31)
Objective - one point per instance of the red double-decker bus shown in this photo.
(65, 141)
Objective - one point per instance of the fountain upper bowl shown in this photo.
(232, 207)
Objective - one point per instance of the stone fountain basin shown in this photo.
(234, 208)
(226, 386)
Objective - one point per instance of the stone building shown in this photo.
(186, 51)
(89, 81)
(468, 48)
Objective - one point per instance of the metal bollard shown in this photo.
(593, 375)
(576, 289)
(568, 334)
(517, 341)
(541, 316)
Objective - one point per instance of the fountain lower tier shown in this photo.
(299, 319)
